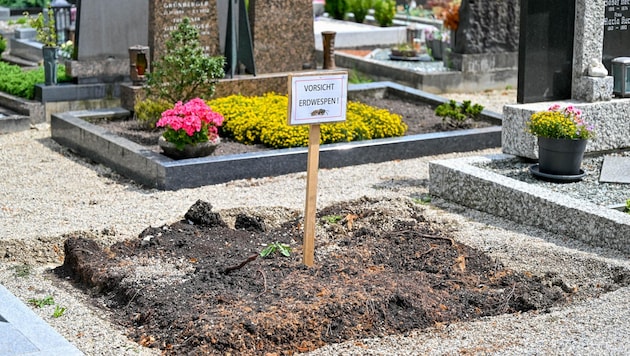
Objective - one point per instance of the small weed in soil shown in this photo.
(200, 287)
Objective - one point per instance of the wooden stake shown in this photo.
(312, 167)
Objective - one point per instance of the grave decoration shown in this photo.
(562, 136)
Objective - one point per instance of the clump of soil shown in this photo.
(200, 286)
(419, 116)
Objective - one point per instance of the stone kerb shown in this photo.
(610, 120)
(524, 203)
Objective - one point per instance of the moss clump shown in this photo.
(263, 120)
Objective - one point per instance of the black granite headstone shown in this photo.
(545, 59)
(616, 31)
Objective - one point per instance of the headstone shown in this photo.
(283, 35)
(5, 13)
(488, 27)
(615, 169)
(616, 31)
(165, 16)
(106, 29)
(545, 50)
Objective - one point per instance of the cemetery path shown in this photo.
(197, 286)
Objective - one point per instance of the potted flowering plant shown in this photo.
(191, 129)
(44, 26)
(562, 136)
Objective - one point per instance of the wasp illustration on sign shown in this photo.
(319, 112)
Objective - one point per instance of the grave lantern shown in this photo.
(61, 9)
(138, 63)
(621, 76)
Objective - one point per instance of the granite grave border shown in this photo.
(154, 170)
(465, 182)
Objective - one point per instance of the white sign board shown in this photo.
(318, 97)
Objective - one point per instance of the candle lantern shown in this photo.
(61, 10)
(621, 76)
(138, 64)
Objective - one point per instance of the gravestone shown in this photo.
(590, 91)
(283, 35)
(545, 50)
(165, 16)
(106, 29)
(616, 31)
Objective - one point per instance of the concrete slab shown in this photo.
(24, 333)
(615, 170)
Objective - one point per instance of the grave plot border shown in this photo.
(524, 203)
(154, 170)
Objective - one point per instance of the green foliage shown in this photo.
(58, 311)
(40, 303)
(332, 219)
(22, 270)
(184, 72)
(422, 200)
(356, 77)
(336, 8)
(284, 249)
(22, 4)
(148, 112)
(263, 119)
(457, 114)
(3, 44)
(21, 83)
(359, 9)
(627, 209)
(384, 12)
(44, 25)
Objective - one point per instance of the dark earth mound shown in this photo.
(200, 287)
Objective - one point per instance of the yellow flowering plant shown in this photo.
(558, 122)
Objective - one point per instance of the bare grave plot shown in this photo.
(199, 286)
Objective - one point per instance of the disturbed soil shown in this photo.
(420, 118)
(200, 286)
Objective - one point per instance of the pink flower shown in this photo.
(195, 118)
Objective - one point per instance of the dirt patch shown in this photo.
(199, 285)
(420, 118)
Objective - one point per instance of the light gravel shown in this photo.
(46, 192)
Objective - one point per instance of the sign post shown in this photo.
(315, 98)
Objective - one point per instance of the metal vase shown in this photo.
(560, 156)
(50, 64)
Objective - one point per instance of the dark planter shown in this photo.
(201, 149)
(560, 156)
(50, 64)
(437, 48)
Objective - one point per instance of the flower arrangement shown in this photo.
(450, 16)
(190, 123)
(432, 33)
(67, 49)
(558, 122)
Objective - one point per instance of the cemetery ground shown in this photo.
(580, 292)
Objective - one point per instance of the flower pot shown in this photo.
(561, 157)
(200, 149)
(50, 55)
(437, 49)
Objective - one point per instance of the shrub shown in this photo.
(148, 111)
(3, 44)
(184, 72)
(336, 8)
(21, 83)
(263, 120)
(359, 9)
(22, 4)
(456, 114)
(384, 12)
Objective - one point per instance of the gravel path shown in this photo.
(47, 192)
